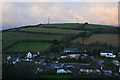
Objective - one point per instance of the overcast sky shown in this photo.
(15, 14)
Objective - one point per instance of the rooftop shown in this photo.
(74, 49)
(107, 51)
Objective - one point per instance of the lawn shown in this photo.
(65, 25)
(51, 30)
(110, 39)
(54, 76)
(11, 37)
(29, 46)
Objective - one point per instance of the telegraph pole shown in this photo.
(48, 20)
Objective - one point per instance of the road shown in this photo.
(100, 63)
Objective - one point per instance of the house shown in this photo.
(31, 55)
(116, 62)
(76, 54)
(70, 50)
(63, 56)
(107, 53)
(118, 53)
(35, 54)
(62, 71)
(86, 69)
(8, 58)
(13, 59)
(107, 71)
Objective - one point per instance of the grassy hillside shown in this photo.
(19, 39)
(51, 30)
(12, 37)
(109, 39)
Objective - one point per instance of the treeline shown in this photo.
(41, 33)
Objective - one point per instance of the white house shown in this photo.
(107, 53)
(63, 56)
(76, 54)
(8, 58)
(89, 69)
(29, 55)
(60, 71)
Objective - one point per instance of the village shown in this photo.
(71, 61)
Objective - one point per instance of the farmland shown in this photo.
(16, 38)
(51, 40)
(28, 46)
(51, 30)
(110, 39)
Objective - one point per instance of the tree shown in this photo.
(84, 35)
(105, 44)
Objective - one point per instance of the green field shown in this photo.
(29, 46)
(11, 37)
(51, 30)
(110, 39)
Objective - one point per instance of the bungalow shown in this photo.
(13, 59)
(62, 71)
(63, 57)
(107, 53)
(70, 50)
(107, 71)
(85, 69)
(8, 58)
(76, 54)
